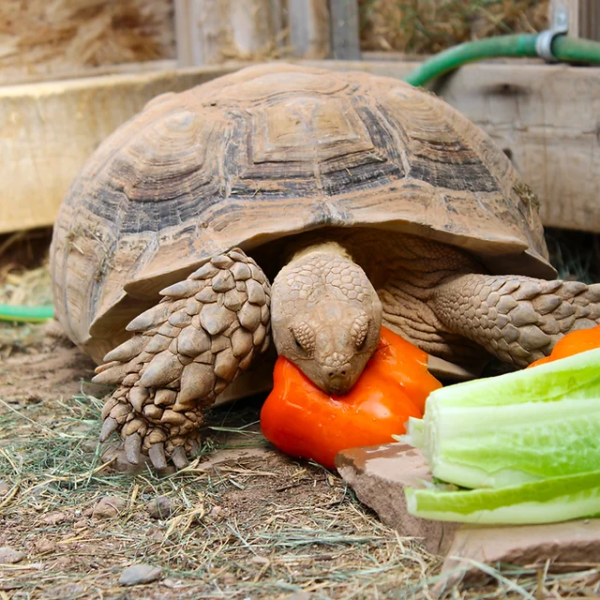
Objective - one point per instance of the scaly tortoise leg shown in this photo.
(518, 319)
(186, 350)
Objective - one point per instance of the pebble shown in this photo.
(45, 546)
(138, 574)
(109, 507)
(4, 487)
(55, 518)
(218, 513)
(10, 556)
(160, 508)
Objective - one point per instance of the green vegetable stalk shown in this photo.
(547, 501)
(532, 438)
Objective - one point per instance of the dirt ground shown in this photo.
(243, 521)
(246, 522)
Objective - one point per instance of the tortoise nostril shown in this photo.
(336, 373)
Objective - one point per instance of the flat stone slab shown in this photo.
(569, 546)
(379, 474)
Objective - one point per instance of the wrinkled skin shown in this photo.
(326, 317)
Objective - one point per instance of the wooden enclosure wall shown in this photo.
(544, 116)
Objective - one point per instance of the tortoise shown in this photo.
(364, 200)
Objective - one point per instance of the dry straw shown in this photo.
(428, 26)
(46, 36)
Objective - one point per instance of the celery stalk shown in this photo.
(548, 501)
(516, 428)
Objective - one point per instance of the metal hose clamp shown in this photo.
(560, 26)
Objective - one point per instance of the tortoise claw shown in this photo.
(179, 457)
(133, 446)
(157, 456)
(108, 428)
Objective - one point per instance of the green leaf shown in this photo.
(547, 501)
(508, 430)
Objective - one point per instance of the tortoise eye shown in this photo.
(304, 337)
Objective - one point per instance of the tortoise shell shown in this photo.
(268, 152)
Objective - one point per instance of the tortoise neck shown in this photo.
(329, 248)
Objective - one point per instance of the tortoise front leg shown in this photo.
(185, 351)
(516, 318)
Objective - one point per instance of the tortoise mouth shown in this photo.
(339, 385)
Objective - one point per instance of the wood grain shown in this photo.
(308, 23)
(345, 39)
(584, 17)
(212, 31)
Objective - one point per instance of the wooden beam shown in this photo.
(345, 32)
(48, 130)
(543, 116)
(584, 17)
(589, 15)
(211, 32)
(39, 75)
(309, 26)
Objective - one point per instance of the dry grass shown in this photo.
(24, 279)
(259, 526)
(248, 528)
(575, 254)
(428, 26)
(41, 36)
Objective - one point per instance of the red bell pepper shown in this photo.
(302, 420)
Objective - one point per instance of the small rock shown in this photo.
(172, 584)
(138, 574)
(4, 487)
(44, 546)
(109, 507)
(160, 508)
(217, 513)
(55, 518)
(81, 524)
(10, 556)
(379, 474)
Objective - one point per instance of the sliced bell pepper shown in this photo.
(302, 420)
(572, 343)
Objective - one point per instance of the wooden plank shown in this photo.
(210, 32)
(584, 17)
(543, 116)
(589, 15)
(308, 22)
(345, 38)
(545, 119)
(67, 73)
(48, 130)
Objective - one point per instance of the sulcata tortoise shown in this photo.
(365, 201)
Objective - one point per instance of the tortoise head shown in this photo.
(326, 317)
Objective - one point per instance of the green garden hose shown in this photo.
(565, 49)
(25, 314)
